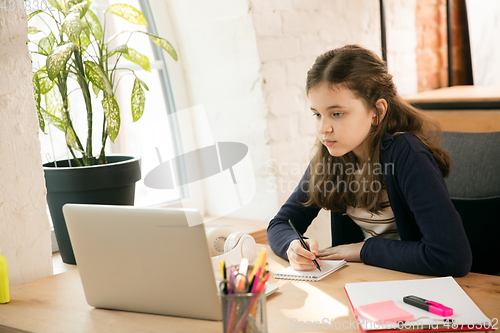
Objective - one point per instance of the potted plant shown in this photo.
(76, 48)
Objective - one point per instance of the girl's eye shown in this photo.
(316, 115)
(338, 114)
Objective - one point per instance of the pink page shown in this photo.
(383, 311)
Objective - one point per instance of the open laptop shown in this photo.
(143, 260)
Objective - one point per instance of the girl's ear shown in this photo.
(380, 111)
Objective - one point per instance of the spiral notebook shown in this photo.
(329, 266)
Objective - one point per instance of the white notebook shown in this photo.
(329, 266)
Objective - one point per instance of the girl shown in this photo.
(379, 169)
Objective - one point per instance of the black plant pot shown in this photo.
(111, 184)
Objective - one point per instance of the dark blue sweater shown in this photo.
(433, 240)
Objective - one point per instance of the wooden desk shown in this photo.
(461, 108)
(57, 303)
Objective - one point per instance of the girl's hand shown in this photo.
(348, 252)
(301, 259)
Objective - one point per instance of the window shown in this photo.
(154, 132)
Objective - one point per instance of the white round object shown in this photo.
(232, 240)
(216, 239)
(248, 248)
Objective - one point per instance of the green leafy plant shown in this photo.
(76, 48)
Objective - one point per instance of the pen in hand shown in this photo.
(303, 243)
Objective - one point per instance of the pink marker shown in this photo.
(439, 309)
(431, 306)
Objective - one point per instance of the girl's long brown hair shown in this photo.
(366, 75)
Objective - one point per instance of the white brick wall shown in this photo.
(247, 60)
(278, 48)
(308, 29)
(402, 44)
(24, 225)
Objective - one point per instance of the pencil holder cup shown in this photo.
(244, 312)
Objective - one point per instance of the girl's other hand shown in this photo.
(301, 259)
(348, 252)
